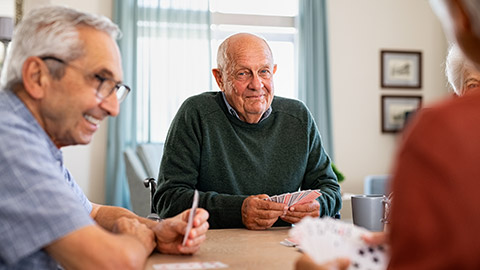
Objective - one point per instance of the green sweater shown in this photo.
(227, 160)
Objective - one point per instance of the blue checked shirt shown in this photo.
(39, 199)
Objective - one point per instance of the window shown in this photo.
(177, 43)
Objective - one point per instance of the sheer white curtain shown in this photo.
(173, 61)
(166, 58)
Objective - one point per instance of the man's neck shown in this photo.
(249, 118)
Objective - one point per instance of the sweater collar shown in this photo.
(232, 111)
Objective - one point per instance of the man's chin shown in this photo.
(257, 107)
(83, 140)
(257, 110)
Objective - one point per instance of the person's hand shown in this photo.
(260, 214)
(170, 232)
(306, 263)
(299, 211)
(140, 231)
(375, 238)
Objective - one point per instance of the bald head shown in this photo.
(236, 45)
(245, 75)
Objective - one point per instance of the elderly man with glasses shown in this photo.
(63, 77)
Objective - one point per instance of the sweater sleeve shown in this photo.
(179, 172)
(319, 174)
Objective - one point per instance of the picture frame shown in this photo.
(401, 69)
(18, 11)
(397, 110)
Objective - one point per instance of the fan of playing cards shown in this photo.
(326, 239)
(298, 197)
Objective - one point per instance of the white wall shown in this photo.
(85, 162)
(7, 8)
(358, 30)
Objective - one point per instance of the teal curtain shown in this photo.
(313, 76)
(121, 129)
(166, 58)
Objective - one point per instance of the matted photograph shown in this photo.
(401, 69)
(397, 110)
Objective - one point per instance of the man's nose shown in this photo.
(256, 82)
(110, 105)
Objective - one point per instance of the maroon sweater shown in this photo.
(435, 219)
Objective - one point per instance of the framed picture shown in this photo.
(18, 11)
(401, 69)
(397, 110)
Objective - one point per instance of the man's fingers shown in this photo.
(188, 249)
(297, 212)
(258, 213)
(201, 216)
(306, 207)
(196, 241)
(262, 196)
(199, 230)
(202, 228)
(291, 219)
(269, 205)
(265, 209)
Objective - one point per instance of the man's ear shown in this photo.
(218, 77)
(35, 77)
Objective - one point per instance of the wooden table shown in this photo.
(239, 249)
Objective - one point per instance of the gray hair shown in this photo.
(50, 31)
(455, 67)
(222, 57)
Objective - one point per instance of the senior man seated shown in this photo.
(242, 144)
(63, 77)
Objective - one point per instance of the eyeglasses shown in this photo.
(105, 87)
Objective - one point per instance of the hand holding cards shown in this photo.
(327, 239)
(191, 216)
(299, 197)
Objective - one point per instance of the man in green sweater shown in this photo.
(241, 145)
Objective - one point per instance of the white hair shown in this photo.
(455, 67)
(50, 31)
(222, 56)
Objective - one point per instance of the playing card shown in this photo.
(310, 195)
(190, 217)
(299, 197)
(326, 239)
(287, 199)
(191, 265)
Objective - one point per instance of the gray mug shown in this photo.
(368, 211)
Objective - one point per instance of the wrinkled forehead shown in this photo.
(101, 52)
(252, 53)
